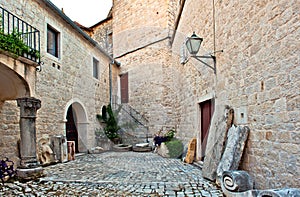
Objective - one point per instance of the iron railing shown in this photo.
(132, 113)
(12, 27)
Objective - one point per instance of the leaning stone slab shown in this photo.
(220, 124)
(235, 143)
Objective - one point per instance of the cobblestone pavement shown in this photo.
(117, 174)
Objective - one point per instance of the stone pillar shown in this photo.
(29, 165)
(28, 108)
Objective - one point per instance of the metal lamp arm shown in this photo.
(203, 57)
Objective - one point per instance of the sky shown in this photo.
(85, 12)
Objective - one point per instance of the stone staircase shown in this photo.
(133, 125)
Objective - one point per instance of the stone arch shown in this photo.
(12, 84)
(80, 120)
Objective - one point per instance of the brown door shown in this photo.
(124, 88)
(207, 109)
(72, 134)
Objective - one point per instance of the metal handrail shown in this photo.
(30, 35)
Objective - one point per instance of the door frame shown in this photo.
(205, 98)
(82, 123)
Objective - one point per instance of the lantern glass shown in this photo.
(193, 44)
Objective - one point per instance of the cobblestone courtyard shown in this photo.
(117, 174)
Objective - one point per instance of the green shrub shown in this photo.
(111, 128)
(13, 43)
(175, 148)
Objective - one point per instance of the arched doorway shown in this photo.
(76, 125)
(71, 129)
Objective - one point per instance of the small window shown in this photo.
(110, 38)
(95, 68)
(52, 41)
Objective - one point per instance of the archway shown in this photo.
(12, 85)
(76, 125)
(71, 129)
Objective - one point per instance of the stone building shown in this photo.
(257, 75)
(73, 82)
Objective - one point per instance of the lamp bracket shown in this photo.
(203, 62)
(219, 51)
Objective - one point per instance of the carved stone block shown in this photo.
(190, 156)
(71, 150)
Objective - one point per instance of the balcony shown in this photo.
(18, 37)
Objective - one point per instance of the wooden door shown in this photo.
(207, 109)
(124, 88)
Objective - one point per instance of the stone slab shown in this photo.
(215, 142)
(235, 143)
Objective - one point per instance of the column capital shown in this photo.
(29, 102)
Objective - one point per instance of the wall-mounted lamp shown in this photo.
(193, 44)
(39, 67)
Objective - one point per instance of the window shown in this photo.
(109, 39)
(95, 68)
(52, 41)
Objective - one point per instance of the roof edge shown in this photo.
(70, 22)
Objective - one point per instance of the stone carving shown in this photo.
(221, 121)
(240, 184)
(59, 147)
(191, 151)
(45, 153)
(71, 150)
(96, 150)
(236, 139)
(236, 181)
(163, 150)
(170, 149)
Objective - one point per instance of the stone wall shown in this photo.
(9, 130)
(257, 74)
(63, 81)
(137, 24)
(141, 43)
(102, 33)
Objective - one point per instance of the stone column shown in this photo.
(28, 108)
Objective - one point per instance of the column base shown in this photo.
(30, 173)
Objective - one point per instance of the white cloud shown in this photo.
(85, 12)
